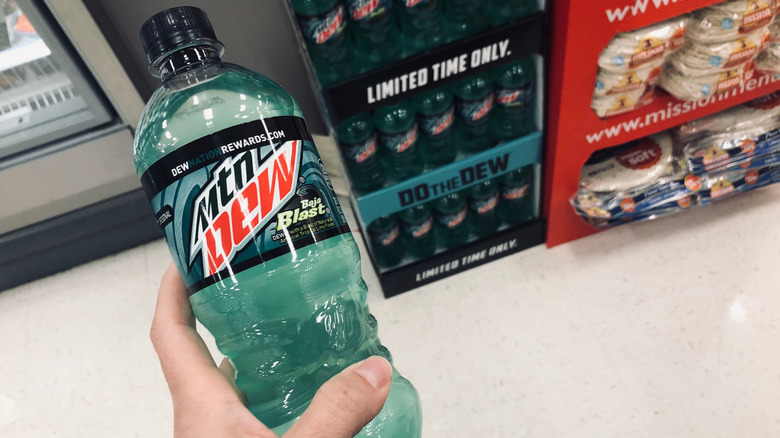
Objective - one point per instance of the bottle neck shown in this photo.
(186, 59)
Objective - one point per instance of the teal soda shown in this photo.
(450, 213)
(418, 232)
(422, 24)
(473, 106)
(506, 11)
(483, 208)
(514, 89)
(360, 149)
(398, 135)
(255, 228)
(436, 119)
(384, 236)
(516, 203)
(323, 24)
(376, 33)
(464, 18)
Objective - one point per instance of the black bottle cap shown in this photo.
(176, 27)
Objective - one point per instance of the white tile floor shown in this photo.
(660, 329)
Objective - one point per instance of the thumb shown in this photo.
(346, 402)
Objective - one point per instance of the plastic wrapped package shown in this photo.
(743, 136)
(683, 85)
(614, 104)
(640, 180)
(699, 58)
(645, 47)
(730, 19)
(720, 185)
(769, 59)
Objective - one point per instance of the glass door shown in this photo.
(44, 94)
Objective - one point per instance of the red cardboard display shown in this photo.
(581, 29)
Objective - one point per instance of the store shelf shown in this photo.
(459, 175)
(574, 129)
(461, 59)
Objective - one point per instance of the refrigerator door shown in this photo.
(45, 94)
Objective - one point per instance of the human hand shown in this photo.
(206, 402)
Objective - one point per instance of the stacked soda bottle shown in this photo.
(454, 219)
(349, 37)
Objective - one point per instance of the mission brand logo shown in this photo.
(239, 200)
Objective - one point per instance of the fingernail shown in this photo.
(376, 371)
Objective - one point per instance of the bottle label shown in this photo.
(484, 206)
(319, 29)
(473, 111)
(242, 196)
(367, 9)
(359, 153)
(437, 124)
(418, 230)
(514, 193)
(515, 98)
(451, 221)
(386, 238)
(399, 143)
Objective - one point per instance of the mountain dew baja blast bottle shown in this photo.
(422, 24)
(436, 118)
(451, 213)
(514, 98)
(360, 149)
(517, 199)
(399, 137)
(474, 103)
(324, 27)
(376, 35)
(254, 227)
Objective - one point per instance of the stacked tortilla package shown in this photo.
(721, 43)
(630, 65)
(769, 59)
(733, 151)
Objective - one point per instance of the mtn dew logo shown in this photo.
(240, 199)
(362, 9)
(413, 3)
(475, 110)
(320, 29)
(437, 124)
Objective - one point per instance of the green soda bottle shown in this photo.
(516, 203)
(417, 231)
(323, 24)
(436, 117)
(464, 18)
(506, 11)
(450, 212)
(255, 228)
(483, 208)
(360, 149)
(422, 24)
(376, 33)
(399, 137)
(473, 106)
(384, 236)
(514, 99)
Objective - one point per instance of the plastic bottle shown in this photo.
(399, 136)
(517, 199)
(483, 208)
(377, 37)
(506, 11)
(464, 18)
(360, 149)
(473, 105)
(417, 229)
(324, 27)
(384, 235)
(254, 227)
(451, 212)
(422, 24)
(514, 99)
(436, 119)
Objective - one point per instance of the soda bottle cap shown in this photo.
(175, 28)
